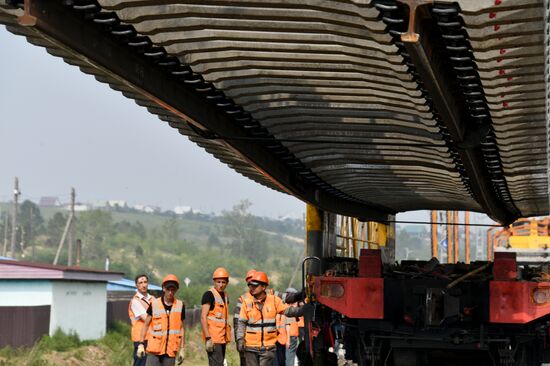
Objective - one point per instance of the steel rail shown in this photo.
(547, 82)
(466, 135)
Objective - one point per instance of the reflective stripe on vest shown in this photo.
(137, 322)
(165, 329)
(217, 319)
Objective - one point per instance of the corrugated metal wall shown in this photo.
(23, 325)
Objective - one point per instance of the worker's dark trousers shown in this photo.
(280, 355)
(163, 360)
(139, 361)
(242, 358)
(260, 358)
(216, 357)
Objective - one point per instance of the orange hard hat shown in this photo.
(171, 278)
(220, 272)
(259, 277)
(249, 274)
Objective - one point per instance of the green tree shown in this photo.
(247, 240)
(171, 229)
(31, 220)
(94, 227)
(54, 228)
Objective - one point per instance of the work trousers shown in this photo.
(139, 361)
(242, 358)
(279, 355)
(162, 360)
(291, 351)
(216, 357)
(260, 358)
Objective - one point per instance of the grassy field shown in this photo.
(115, 349)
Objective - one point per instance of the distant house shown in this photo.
(117, 203)
(147, 208)
(78, 207)
(49, 202)
(182, 210)
(37, 299)
(81, 207)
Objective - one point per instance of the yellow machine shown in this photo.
(529, 238)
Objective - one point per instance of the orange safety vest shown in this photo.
(240, 301)
(244, 296)
(217, 319)
(281, 329)
(137, 323)
(294, 324)
(261, 326)
(165, 332)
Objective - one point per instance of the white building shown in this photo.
(180, 210)
(70, 298)
(117, 203)
(147, 208)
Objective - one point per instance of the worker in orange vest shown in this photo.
(137, 311)
(282, 340)
(216, 330)
(293, 329)
(166, 317)
(237, 311)
(257, 331)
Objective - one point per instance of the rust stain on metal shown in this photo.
(411, 36)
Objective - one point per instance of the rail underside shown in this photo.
(479, 312)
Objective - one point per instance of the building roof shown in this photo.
(126, 284)
(12, 270)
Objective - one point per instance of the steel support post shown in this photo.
(450, 242)
(456, 239)
(435, 248)
(314, 237)
(467, 237)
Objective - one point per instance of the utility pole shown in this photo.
(70, 252)
(450, 242)
(16, 194)
(66, 230)
(78, 251)
(6, 218)
(435, 249)
(456, 239)
(467, 236)
(30, 231)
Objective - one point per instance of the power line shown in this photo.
(439, 223)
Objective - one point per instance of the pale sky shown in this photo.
(60, 128)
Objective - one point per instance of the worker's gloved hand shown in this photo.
(140, 353)
(293, 297)
(180, 357)
(209, 345)
(240, 345)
